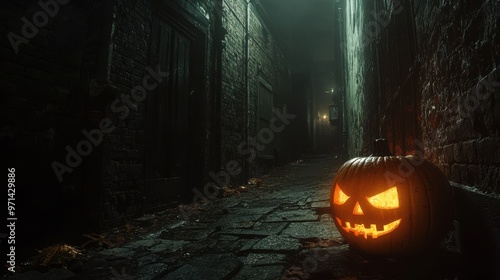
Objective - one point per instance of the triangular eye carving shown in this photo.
(388, 199)
(339, 197)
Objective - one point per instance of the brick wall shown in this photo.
(123, 149)
(461, 89)
(124, 193)
(455, 68)
(459, 81)
(46, 63)
(362, 123)
(233, 96)
(64, 80)
(267, 62)
(430, 74)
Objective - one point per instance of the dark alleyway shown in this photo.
(255, 234)
(136, 139)
(280, 228)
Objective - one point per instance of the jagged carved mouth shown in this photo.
(360, 230)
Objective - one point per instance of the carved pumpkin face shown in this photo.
(363, 225)
(381, 210)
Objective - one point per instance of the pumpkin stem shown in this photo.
(381, 148)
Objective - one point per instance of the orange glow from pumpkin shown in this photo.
(360, 230)
(339, 197)
(357, 209)
(388, 199)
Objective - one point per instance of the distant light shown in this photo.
(325, 116)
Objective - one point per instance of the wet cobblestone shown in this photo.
(280, 229)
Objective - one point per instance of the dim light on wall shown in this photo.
(333, 112)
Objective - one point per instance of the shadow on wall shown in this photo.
(478, 232)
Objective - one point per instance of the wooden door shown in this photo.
(265, 112)
(173, 125)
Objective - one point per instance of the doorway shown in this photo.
(174, 115)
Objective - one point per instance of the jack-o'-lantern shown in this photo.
(391, 205)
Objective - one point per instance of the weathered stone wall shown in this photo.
(460, 82)
(62, 79)
(269, 63)
(123, 157)
(123, 148)
(360, 106)
(434, 69)
(266, 61)
(460, 85)
(457, 77)
(380, 74)
(233, 96)
(73, 72)
(48, 55)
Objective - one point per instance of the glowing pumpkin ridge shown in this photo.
(381, 212)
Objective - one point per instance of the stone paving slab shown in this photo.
(321, 204)
(305, 230)
(146, 243)
(160, 247)
(29, 275)
(251, 210)
(289, 206)
(186, 234)
(119, 252)
(296, 194)
(263, 202)
(237, 245)
(153, 245)
(151, 271)
(208, 267)
(260, 273)
(197, 225)
(58, 274)
(254, 259)
(325, 218)
(321, 194)
(205, 245)
(248, 244)
(259, 229)
(290, 196)
(106, 267)
(237, 221)
(204, 217)
(277, 243)
(168, 246)
(146, 259)
(299, 215)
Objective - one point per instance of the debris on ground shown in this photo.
(57, 256)
(101, 241)
(255, 181)
(229, 191)
(295, 273)
(242, 189)
(319, 242)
